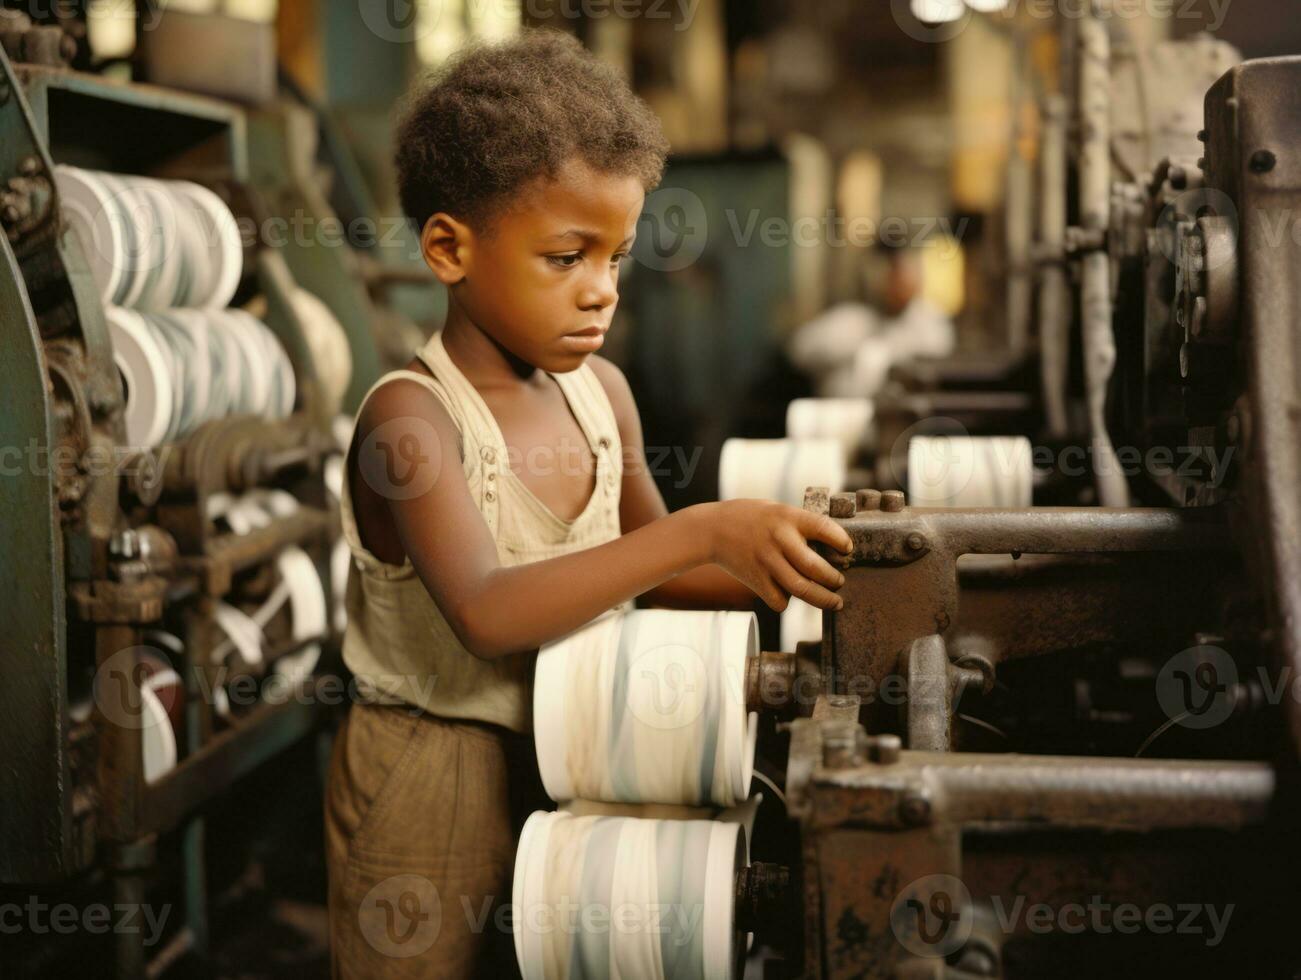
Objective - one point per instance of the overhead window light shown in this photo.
(987, 6)
(937, 11)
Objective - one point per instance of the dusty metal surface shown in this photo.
(873, 831)
(1203, 339)
(902, 583)
(1252, 118)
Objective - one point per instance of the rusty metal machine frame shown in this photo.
(938, 601)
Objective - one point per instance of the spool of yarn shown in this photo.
(846, 420)
(327, 345)
(779, 469)
(152, 244)
(243, 633)
(672, 882)
(88, 208)
(146, 371)
(800, 623)
(743, 813)
(162, 700)
(970, 471)
(307, 612)
(181, 368)
(648, 706)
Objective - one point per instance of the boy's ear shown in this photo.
(445, 243)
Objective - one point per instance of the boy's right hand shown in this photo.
(765, 545)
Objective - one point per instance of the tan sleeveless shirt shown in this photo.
(397, 642)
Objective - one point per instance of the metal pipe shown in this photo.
(1054, 325)
(929, 710)
(1095, 289)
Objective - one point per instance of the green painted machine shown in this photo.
(103, 545)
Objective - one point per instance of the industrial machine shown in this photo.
(126, 560)
(1049, 741)
(1033, 728)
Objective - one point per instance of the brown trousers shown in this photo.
(422, 817)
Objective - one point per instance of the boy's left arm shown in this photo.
(640, 503)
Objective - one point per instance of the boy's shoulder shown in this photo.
(410, 403)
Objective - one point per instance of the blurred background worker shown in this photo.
(848, 350)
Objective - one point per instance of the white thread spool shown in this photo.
(223, 253)
(87, 205)
(779, 469)
(307, 612)
(672, 879)
(327, 345)
(800, 623)
(648, 706)
(146, 375)
(846, 420)
(153, 244)
(162, 694)
(970, 471)
(182, 368)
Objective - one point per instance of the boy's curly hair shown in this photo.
(499, 115)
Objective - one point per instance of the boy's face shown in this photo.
(543, 279)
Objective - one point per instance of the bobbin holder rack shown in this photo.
(94, 554)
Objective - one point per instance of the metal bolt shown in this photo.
(841, 744)
(1262, 162)
(915, 542)
(884, 749)
(892, 501)
(915, 810)
(29, 166)
(868, 499)
(842, 505)
(1178, 178)
(816, 500)
(1202, 135)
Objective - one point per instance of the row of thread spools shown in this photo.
(645, 741)
(167, 258)
(824, 436)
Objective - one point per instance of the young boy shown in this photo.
(497, 498)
